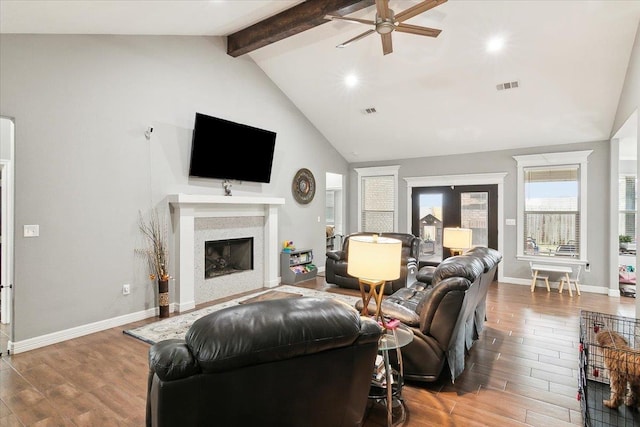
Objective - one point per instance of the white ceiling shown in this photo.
(433, 96)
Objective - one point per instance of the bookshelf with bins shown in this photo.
(297, 266)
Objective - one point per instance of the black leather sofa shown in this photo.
(337, 262)
(443, 313)
(490, 259)
(285, 362)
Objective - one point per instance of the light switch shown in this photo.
(31, 230)
(510, 221)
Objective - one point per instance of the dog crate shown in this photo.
(594, 379)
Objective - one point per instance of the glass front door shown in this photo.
(435, 208)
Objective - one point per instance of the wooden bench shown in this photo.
(536, 268)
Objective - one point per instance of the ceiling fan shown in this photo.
(386, 22)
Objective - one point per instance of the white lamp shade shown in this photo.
(374, 258)
(457, 238)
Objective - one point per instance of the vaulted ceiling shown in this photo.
(430, 95)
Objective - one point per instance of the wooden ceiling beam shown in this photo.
(297, 19)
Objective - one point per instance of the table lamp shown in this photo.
(374, 260)
(457, 239)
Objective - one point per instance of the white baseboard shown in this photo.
(556, 286)
(15, 347)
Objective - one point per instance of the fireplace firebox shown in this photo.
(228, 256)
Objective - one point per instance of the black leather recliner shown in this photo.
(439, 317)
(285, 362)
(443, 314)
(337, 263)
(490, 259)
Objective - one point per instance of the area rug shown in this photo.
(177, 326)
(271, 295)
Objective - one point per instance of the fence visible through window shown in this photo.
(551, 214)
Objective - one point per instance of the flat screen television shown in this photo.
(223, 149)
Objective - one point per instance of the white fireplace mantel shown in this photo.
(186, 207)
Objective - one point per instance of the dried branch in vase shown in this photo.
(155, 231)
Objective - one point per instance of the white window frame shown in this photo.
(379, 171)
(553, 159)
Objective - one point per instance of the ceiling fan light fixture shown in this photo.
(385, 27)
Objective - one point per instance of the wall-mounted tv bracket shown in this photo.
(226, 184)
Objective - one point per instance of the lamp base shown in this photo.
(376, 290)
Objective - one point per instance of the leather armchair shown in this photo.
(490, 258)
(285, 362)
(437, 318)
(443, 314)
(337, 263)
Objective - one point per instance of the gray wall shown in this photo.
(83, 168)
(502, 161)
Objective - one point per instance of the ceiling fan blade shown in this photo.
(421, 31)
(387, 46)
(356, 38)
(382, 7)
(354, 20)
(418, 9)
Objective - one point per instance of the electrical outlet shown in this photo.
(126, 289)
(31, 230)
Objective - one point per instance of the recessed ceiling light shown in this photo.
(351, 80)
(495, 44)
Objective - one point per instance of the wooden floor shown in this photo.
(522, 371)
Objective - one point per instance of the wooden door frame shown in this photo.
(462, 180)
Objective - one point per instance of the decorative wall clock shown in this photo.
(303, 186)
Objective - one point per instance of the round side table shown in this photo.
(392, 339)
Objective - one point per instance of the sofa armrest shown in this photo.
(171, 360)
(404, 314)
(336, 255)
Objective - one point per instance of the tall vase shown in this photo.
(163, 297)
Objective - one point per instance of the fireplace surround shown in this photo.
(225, 214)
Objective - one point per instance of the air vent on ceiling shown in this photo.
(508, 85)
(370, 110)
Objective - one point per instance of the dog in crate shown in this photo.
(623, 364)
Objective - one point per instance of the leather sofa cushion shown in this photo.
(489, 257)
(425, 274)
(405, 305)
(467, 266)
(274, 330)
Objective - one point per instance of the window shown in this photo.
(552, 205)
(627, 207)
(377, 199)
(330, 208)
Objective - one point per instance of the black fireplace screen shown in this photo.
(227, 256)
